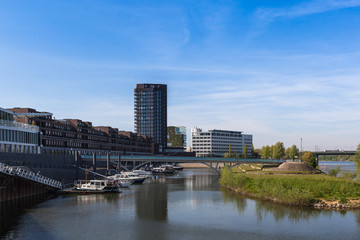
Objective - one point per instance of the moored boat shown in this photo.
(163, 170)
(135, 178)
(142, 173)
(95, 186)
(123, 182)
(177, 167)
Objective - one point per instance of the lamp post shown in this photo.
(301, 149)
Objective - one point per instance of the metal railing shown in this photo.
(24, 172)
(19, 125)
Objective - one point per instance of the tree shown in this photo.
(245, 151)
(357, 161)
(334, 172)
(287, 153)
(294, 151)
(272, 151)
(257, 153)
(313, 162)
(265, 152)
(306, 156)
(309, 158)
(252, 150)
(231, 155)
(278, 150)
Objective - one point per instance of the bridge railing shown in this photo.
(6, 169)
(27, 174)
(183, 159)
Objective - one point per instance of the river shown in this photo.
(189, 205)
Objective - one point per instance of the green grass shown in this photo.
(247, 168)
(299, 189)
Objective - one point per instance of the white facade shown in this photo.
(217, 142)
(17, 137)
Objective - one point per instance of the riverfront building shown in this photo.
(176, 136)
(217, 142)
(150, 112)
(70, 135)
(18, 137)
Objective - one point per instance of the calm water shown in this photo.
(190, 205)
(326, 166)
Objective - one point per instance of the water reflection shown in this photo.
(201, 182)
(151, 202)
(184, 206)
(293, 214)
(96, 198)
(290, 213)
(237, 200)
(11, 211)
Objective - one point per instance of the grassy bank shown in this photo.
(304, 189)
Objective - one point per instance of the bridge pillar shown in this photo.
(119, 163)
(107, 161)
(94, 162)
(77, 160)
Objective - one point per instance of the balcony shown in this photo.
(18, 125)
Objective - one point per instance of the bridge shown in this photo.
(333, 152)
(139, 161)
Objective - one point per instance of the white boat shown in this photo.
(129, 176)
(176, 167)
(142, 173)
(96, 186)
(123, 182)
(163, 170)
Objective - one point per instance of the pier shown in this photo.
(19, 182)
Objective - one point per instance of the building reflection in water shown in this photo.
(151, 202)
(11, 211)
(97, 198)
(201, 182)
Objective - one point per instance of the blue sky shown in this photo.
(280, 70)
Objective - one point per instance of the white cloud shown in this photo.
(306, 8)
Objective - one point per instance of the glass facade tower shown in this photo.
(150, 110)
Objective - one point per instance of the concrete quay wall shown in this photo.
(12, 187)
(58, 167)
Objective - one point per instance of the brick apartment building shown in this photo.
(69, 135)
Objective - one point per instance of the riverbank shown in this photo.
(311, 190)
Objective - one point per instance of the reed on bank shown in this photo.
(298, 189)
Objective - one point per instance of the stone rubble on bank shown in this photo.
(336, 205)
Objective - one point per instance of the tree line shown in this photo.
(278, 151)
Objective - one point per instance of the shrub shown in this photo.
(348, 175)
(292, 189)
(334, 172)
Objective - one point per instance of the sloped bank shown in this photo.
(312, 190)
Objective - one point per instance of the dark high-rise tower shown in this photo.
(151, 113)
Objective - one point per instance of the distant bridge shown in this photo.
(333, 152)
(139, 161)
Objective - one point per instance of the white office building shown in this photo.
(217, 142)
(17, 137)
